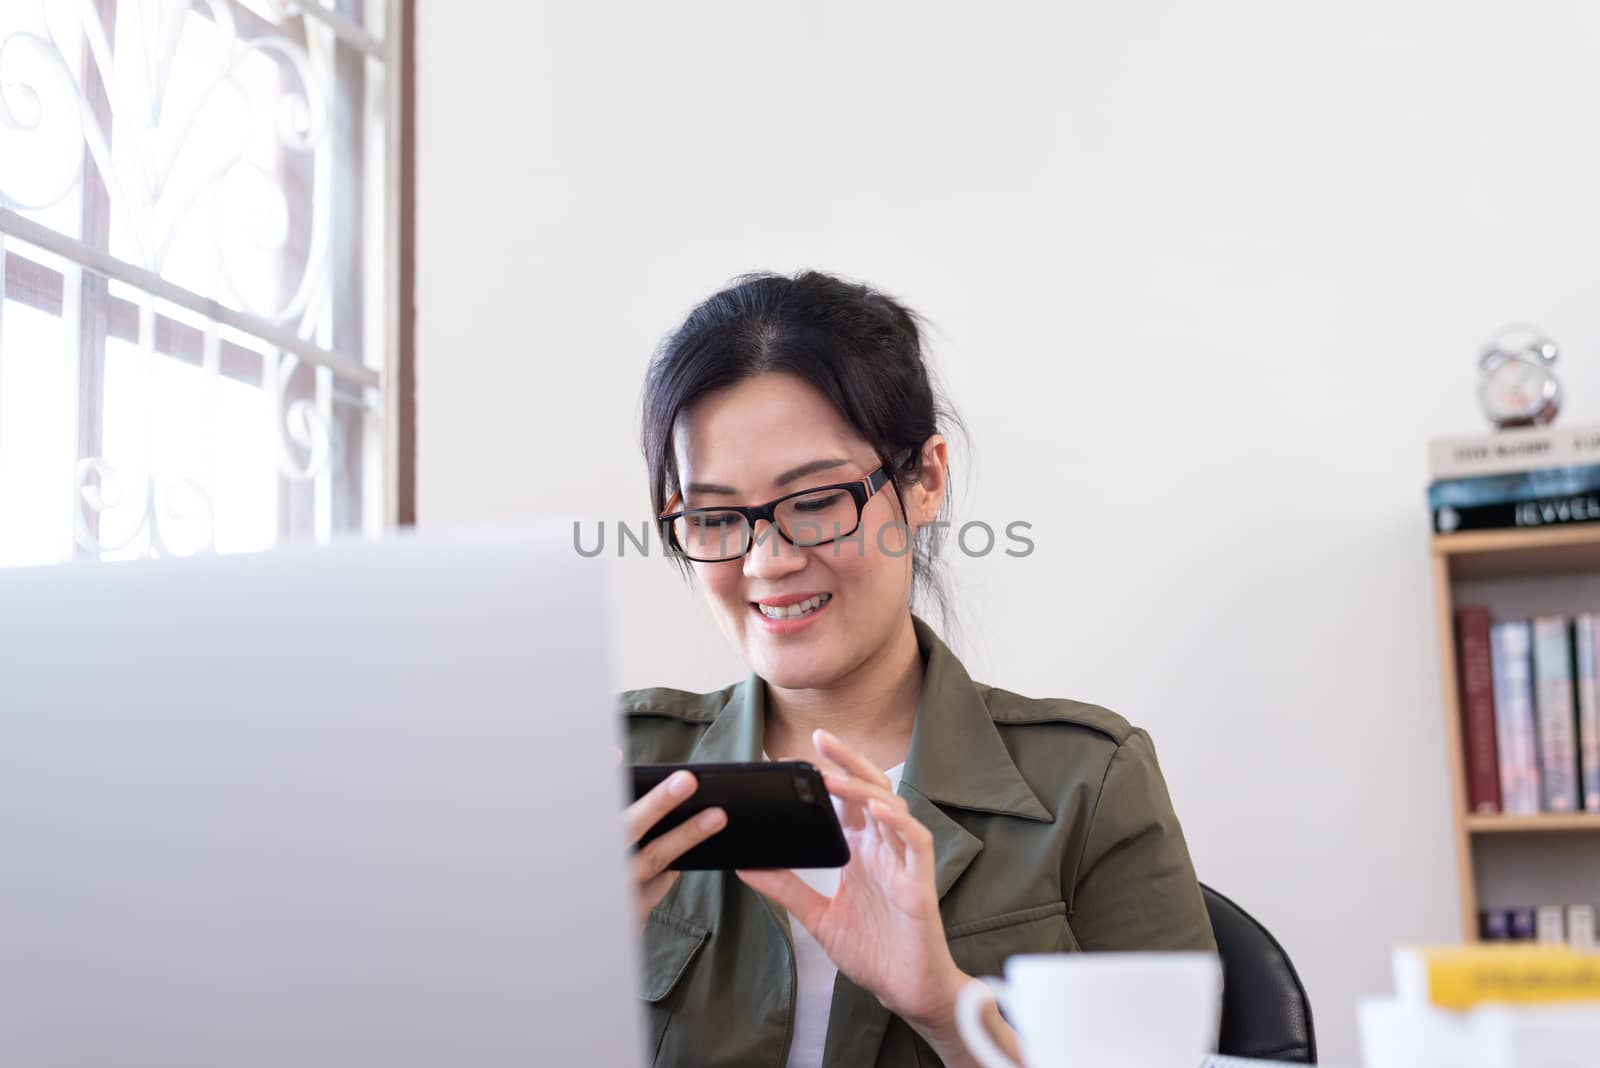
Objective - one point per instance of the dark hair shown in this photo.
(859, 348)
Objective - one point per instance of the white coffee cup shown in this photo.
(1109, 1010)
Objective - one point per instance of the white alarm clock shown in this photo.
(1517, 387)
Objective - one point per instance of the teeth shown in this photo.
(790, 611)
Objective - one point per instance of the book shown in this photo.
(1519, 486)
(1510, 645)
(1580, 928)
(1494, 925)
(1586, 669)
(1555, 714)
(1461, 977)
(1477, 710)
(1538, 512)
(1510, 451)
(1524, 924)
(1549, 925)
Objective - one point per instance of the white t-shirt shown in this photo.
(814, 972)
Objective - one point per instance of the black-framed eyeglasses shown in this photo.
(808, 517)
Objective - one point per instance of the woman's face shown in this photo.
(769, 436)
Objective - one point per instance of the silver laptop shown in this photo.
(351, 806)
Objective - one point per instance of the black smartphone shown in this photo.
(779, 816)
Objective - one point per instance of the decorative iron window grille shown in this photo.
(198, 277)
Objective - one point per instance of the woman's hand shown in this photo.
(651, 879)
(882, 926)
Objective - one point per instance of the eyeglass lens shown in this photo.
(808, 519)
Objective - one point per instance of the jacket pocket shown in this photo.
(981, 947)
(667, 947)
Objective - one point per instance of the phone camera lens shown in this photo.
(803, 789)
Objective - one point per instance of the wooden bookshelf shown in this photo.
(1514, 553)
(1523, 565)
(1549, 821)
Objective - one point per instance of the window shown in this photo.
(198, 275)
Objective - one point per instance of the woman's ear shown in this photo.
(933, 480)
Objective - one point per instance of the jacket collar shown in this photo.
(736, 734)
(957, 758)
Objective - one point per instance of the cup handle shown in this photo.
(970, 1002)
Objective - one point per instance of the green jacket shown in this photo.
(1052, 830)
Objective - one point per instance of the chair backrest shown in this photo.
(1265, 1010)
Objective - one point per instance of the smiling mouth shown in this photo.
(794, 611)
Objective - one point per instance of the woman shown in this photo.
(981, 823)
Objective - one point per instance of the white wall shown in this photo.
(1205, 276)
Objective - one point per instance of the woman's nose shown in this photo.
(771, 554)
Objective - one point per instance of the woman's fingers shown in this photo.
(872, 807)
(865, 791)
(851, 761)
(856, 790)
(648, 866)
(901, 825)
(786, 888)
(852, 797)
(652, 891)
(653, 859)
(888, 837)
(855, 796)
(852, 816)
(662, 798)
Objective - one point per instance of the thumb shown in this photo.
(786, 888)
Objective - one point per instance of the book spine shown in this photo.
(1533, 513)
(1553, 709)
(1585, 634)
(1477, 710)
(1522, 486)
(1580, 927)
(1549, 925)
(1510, 645)
(1511, 451)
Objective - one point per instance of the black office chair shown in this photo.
(1265, 1010)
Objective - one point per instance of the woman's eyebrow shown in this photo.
(810, 468)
